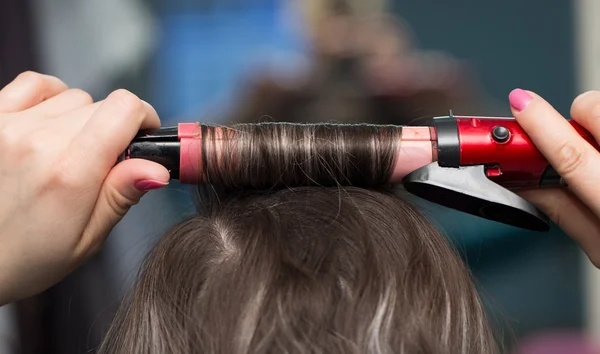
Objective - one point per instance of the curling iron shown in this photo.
(470, 164)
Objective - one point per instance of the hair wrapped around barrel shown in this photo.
(272, 155)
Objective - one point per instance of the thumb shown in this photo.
(124, 186)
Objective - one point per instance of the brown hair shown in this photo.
(272, 155)
(305, 260)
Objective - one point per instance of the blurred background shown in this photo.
(392, 61)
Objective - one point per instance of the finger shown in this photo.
(571, 156)
(586, 111)
(572, 216)
(67, 113)
(124, 186)
(28, 90)
(109, 131)
(63, 103)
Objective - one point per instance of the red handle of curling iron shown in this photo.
(510, 157)
(479, 161)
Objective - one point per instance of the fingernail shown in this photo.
(519, 99)
(149, 184)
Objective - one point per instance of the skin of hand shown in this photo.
(60, 190)
(575, 209)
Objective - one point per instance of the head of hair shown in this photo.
(304, 249)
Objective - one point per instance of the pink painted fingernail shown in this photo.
(149, 184)
(519, 99)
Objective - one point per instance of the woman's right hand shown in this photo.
(575, 209)
(60, 190)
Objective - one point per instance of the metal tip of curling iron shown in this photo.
(467, 189)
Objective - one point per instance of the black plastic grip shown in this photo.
(448, 141)
(164, 153)
(159, 145)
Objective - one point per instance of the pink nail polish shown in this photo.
(149, 184)
(519, 99)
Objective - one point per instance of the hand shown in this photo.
(575, 209)
(60, 191)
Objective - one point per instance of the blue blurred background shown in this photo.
(193, 59)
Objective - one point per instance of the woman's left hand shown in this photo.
(575, 209)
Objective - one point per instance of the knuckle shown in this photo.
(19, 145)
(80, 96)
(34, 145)
(40, 84)
(570, 158)
(24, 147)
(127, 101)
(586, 105)
(31, 77)
(62, 176)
